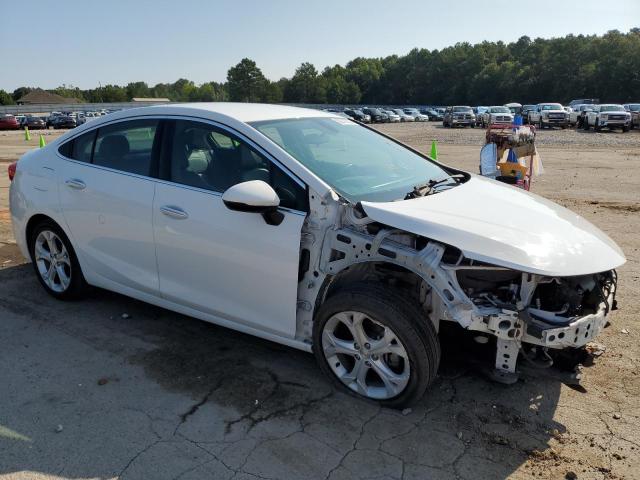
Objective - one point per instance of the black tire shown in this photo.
(597, 126)
(625, 129)
(585, 124)
(407, 321)
(77, 287)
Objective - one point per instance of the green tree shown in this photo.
(20, 92)
(306, 86)
(245, 82)
(138, 89)
(5, 98)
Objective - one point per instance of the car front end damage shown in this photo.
(529, 314)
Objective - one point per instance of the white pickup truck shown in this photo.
(549, 115)
(578, 114)
(608, 116)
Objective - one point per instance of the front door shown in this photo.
(225, 263)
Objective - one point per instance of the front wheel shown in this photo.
(375, 343)
(55, 262)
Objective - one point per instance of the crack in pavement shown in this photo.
(194, 408)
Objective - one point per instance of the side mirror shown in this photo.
(254, 196)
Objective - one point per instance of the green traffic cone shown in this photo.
(434, 150)
(42, 142)
(27, 135)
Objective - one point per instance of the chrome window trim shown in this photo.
(161, 117)
(214, 123)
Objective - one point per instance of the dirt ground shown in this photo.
(112, 388)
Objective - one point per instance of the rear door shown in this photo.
(106, 195)
(228, 264)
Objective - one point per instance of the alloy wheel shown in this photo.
(365, 355)
(53, 261)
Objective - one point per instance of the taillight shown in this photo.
(12, 170)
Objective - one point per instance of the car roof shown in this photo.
(243, 112)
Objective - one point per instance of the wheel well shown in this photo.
(390, 274)
(33, 223)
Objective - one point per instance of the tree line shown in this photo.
(487, 73)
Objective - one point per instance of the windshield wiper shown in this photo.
(429, 187)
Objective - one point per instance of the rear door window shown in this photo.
(126, 146)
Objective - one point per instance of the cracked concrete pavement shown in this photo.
(86, 393)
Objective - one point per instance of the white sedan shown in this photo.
(308, 229)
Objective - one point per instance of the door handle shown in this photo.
(75, 183)
(174, 212)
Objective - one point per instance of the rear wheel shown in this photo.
(375, 343)
(55, 262)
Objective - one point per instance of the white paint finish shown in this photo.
(254, 193)
(110, 223)
(226, 263)
(506, 226)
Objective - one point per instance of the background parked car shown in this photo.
(634, 110)
(403, 116)
(8, 122)
(377, 116)
(51, 118)
(516, 108)
(34, 123)
(63, 121)
(578, 113)
(434, 115)
(609, 116)
(417, 116)
(459, 115)
(393, 116)
(525, 112)
(549, 115)
(497, 115)
(425, 111)
(584, 101)
(479, 112)
(358, 115)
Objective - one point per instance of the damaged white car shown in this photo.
(311, 230)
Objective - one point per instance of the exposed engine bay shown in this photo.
(527, 313)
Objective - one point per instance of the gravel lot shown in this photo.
(113, 388)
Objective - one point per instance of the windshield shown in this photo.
(462, 109)
(634, 107)
(612, 108)
(358, 163)
(500, 110)
(552, 106)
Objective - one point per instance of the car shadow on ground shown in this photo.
(109, 386)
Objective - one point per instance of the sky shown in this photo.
(85, 43)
